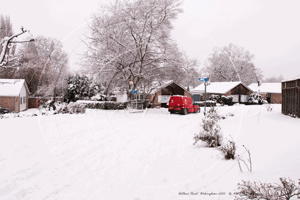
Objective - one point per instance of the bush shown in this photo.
(106, 105)
(215, 98)
(258, 190)
(49, 105)
(76, 108)
(228, 150)
(209, 103)
(211, 131)
(227, 100)
(255, 98)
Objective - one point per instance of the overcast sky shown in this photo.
(268, 29)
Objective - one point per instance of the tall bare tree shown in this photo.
(232, 63)
(45, 66)
(130, 40)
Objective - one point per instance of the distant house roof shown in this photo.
(11, 87)
(266, 87)
(217, 87)
(166, 84)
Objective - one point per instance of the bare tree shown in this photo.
(130, 40)
(274, 79)
(45, 66)
(232, 63)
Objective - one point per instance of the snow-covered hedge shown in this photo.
(255, 98)
(227, 100)
(106, 105)
(209, 103)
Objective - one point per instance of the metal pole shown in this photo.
(204, 97)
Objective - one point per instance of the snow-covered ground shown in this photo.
(148, 155)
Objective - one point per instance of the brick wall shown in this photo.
(187, 94)
(8, 102)
(276, 98)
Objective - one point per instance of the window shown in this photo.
(24, 100)
(20, 100)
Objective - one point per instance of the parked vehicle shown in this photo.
(3, 110)
(182, 105)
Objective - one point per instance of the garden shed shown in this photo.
(237, 90)
(269, 91)
(14, 94)
(291, 97)
(161, 94)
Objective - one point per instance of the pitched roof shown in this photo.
(11, 87)
(266, 87)
(217, 87)
(166, 84)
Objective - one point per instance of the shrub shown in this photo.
(76, 108)
(227, 100)
(49, 105)
(107, 105)
(258, 190)
(249, 165)
(211, 131)
(209, 103)
(255, 98)
(228, 150)
(215, 98)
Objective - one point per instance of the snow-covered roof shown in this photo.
(166, 84)
(11, 87)
(266, 87)
(217, 87)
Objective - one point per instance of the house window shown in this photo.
(20, 100)
(24, 100)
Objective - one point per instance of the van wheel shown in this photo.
(198, 111)
(184, 111)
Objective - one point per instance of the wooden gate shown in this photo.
(291, 97)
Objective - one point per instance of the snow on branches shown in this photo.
(7, 58)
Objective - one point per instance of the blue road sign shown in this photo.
(203, 79)
(134, 91)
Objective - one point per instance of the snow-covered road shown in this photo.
(149, 155)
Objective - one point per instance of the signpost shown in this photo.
(205, 83)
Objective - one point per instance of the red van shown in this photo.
(183, 105)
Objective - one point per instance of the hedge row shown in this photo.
(208, 103)
(105, 105)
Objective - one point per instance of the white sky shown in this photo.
(268, 29)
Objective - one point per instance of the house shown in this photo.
(237, 90)
(161, 94)
(14, 94)
(291, 97)
(269, 91)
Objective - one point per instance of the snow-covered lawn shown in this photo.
(149, 155)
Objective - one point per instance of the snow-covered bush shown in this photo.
(80, 87)
(107, 105)
(62, 108)
(215, 98)
(227, 100)
(98, 97)
(210, 130)
(48, 105)
(255, 98)
(258, 190)
(228, 150)
(75, 108)
(209, 103)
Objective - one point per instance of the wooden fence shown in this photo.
(35, 102)
(291, 97)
